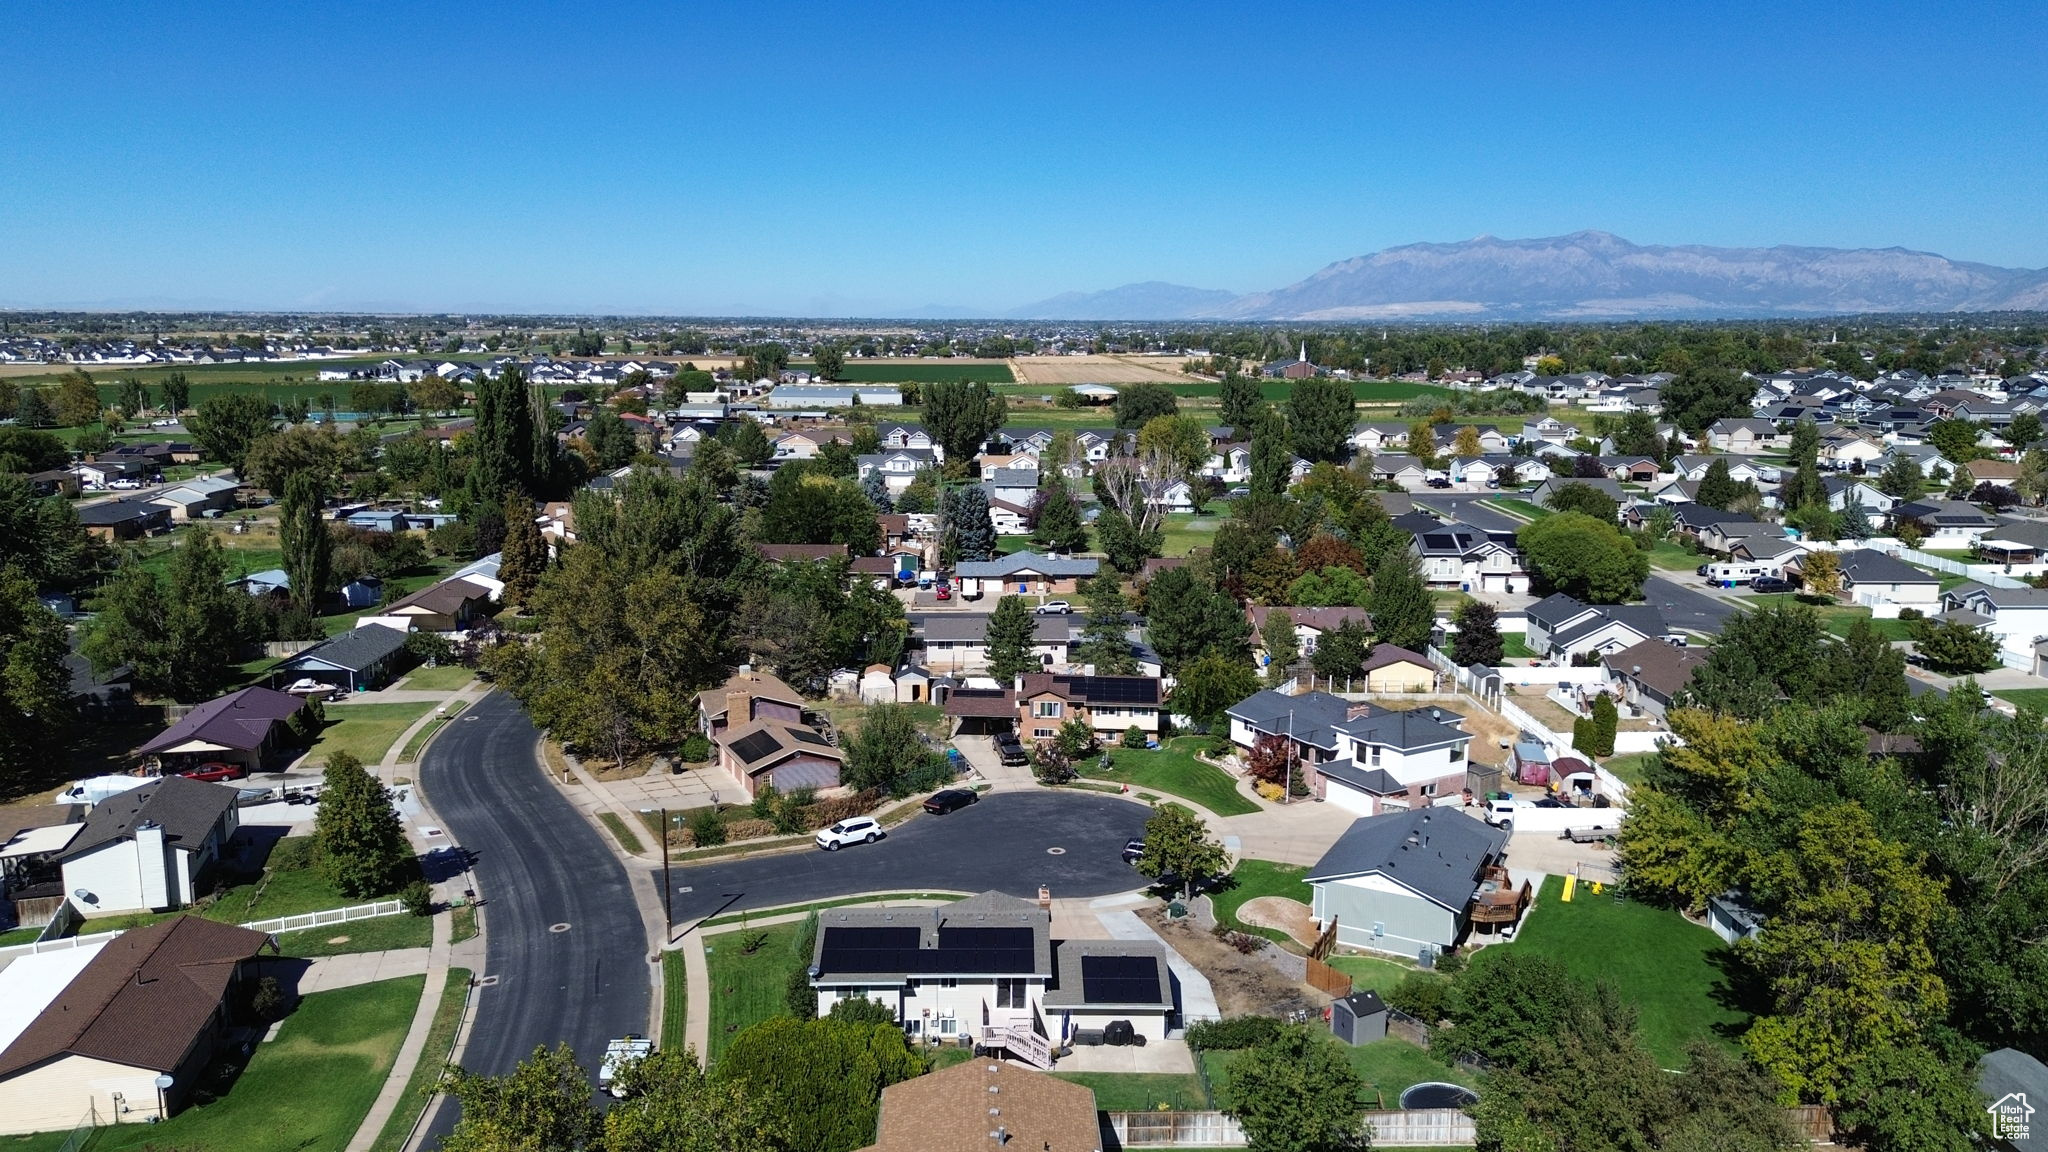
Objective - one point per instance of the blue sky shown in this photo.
(862, 159)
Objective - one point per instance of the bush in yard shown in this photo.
(1910, 614)
(417, 898)
(1076, 739)
(764, 802)
(1134, 737)
(1232, 1033)
(861, 1010)
(1421, 995)
(888, 753)
(428, 648)
(359, 844)
(706, 829)
(798, 996)
(833, 809)
(1297, 1093)
(827, 1075)
(696, 749)
(1606, 719)
(748, 829)
(1050, 765)
(268, 1003)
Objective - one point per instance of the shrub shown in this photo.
(1232, 1033)
(1269, 791)
(764, 802)
(833, 809)
(417, 898)
(798, 996)
(748, 829)
(696, 749)
(268, 1003)
(1421, 995)
(1133, 737)
(1911, 614)
(861, 1010)
(706, 830)
(428, 648)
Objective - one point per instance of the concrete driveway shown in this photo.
(1010, 842)
(980, 752)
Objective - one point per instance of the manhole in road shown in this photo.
(1055, 851)
(558, 927)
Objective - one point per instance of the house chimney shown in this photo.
(1045, 898)
(1358, 709)
(739, 708)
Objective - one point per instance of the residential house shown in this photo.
(1872, 578)
(950, 1111)
(1463, 557)
(149, 849)
(1390, 669)
(1018, 486)
(269, 582)
(1306, 721)
(1230, 463)
(1744, 437)
(958, 641)
(1775, 552)
(1400, 469)
(912, 436)
(1844, 491)
(1549, 488)
(1169, 495)
(2016, 540)
(1844, 448)
(987, 969)
(201, 498)
(1947, 523)
(1309, 625)
(1560, 626)
(1550, 430)
(1009, 519)
(1406, 882)
(96, 475)
(1650, 675)
(1632, 469)
(453, 605)
(238, 728)
(359, 660)
(1697, 467)
(1377, 438)
(92, 1031)
(2018, 617)
(1484, 471)
(1025, 574)
(801, 553)
(129, 519)
(898, 466)
(747, 696)
(1110, 705)
(1387, 759)
(778, 753)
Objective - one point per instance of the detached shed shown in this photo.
(1359, 1018)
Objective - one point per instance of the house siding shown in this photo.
(1409, 924)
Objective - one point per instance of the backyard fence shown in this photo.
(1419, 1127)
(1981, 573)
(329, 916)
(1407, 1027)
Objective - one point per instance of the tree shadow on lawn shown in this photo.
(1739, 989)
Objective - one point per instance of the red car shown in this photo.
(945, 592)
(215, 772)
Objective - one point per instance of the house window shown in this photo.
(1457, 754)
(1429, 789)
(1375, 761)
(949, 982)
(1010, 994)
(1043, 733)
(945, 1025)
(1047, 709)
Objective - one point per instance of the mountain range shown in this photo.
(1585, 276)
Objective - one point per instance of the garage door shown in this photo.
(1346, 797)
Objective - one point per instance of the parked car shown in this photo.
(1241, 490)
(1439, 482)
(945, 592)
(1700, 571)
(1132, 850)
(214, 772)
(949, 800)
(1770, 584)
(1055, 608)
(859, 830)
(125, 483)
(1010, 750)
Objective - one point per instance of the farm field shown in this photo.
(919, 371)
(1059, 371)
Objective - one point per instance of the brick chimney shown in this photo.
(1359, 708)
(739, 707)
(1045, 898)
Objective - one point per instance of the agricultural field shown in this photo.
(919, 371)
(1059, 371)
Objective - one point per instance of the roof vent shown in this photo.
(1001, 1135)
(995, 1111)
(994, 1088)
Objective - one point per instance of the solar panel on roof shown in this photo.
(869, 949)
(987, 950)
(753, 746)
(1114, 689)
(1119, 979)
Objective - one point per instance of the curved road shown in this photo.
(539, 864)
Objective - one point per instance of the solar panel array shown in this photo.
(1113, 689)
(1119, 979)
(754, 745)
(978, 951)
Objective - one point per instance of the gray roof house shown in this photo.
(355, 661)
(148, 848)
(1310, 720)
(1560, 624)
(1404, 882)
(2012, 1082)
(1870, 577)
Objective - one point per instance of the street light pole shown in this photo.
(668, 914)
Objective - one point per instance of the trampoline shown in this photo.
(1437, 1094)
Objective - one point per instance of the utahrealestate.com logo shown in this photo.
(2010, 1117)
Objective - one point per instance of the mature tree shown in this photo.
(525, 554)
(1584, 498)
(830, 361)
(176, 637)
(1178, 845)
(1342, 650)
(543, 1105)
(1638, 436)
(809, 506)
(1580, 556)
(1282, 647)
(1511, 1016)
(1996, 497)
(1908, 1099)
(28, 450)
(308, 546)
(134, 399)
(1241, 399)
(1421, 442)
(1187, 618)
(359, 845)
(1058, 524)
(1298, 1092)
(888, 753)
(612, 444)
(1466, 443)
(1272, 455)
(824, 1076)
(1403, 612)
(225, 425)
(1331, 587)
(672, 1105)
(40, 536)
(1960, 483)
(1699, 396)
(747, 442)
(177, 393)
(1761, 657)
(1326, 551)
(876, 489)
(1127, 543)
(1902, 478)
(1821, 572)
(78, 399)
(1173, 446)
(1846, 957)
(1478, 638)
(1011, 631)
(1139, 404)
(275, 457)
(32, 409)
(961, 416)
(1717, 489)
(35, 685)
(433, 395)
(1953, 646)
(967, 531)
(1105, 642)
(1320, 413)
(1956, 440)
(1210, 684)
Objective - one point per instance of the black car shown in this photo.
(1700, 571)
(950, 800)
(1132, 850)
(1770, 584)
(1011, 751)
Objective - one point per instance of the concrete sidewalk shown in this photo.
(327, 973)
(410, 1053)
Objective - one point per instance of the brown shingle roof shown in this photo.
(1665, 669)
(186, 809)
(1386, 655)
(755, 685)
(143, 1000)
(445, 598)
(987, 703)
(1320, 619)
(956, 1111)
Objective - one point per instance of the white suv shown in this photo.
(859, 830)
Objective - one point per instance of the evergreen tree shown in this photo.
(1186, 618)
(525, 555)
(35, 685)
(1105, 642)
(970, 531)
(748, 443)
(1011, 632)
(1902, 478)
(1478, 640)
(358, 842)
(1403, 613)
(1717, 488)
(1321, 412)
(174, 637)
(1283, 648)
(1059, 527)
(308, 546)
(1272, 455)
(876, 489)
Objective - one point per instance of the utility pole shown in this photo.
(668, 915)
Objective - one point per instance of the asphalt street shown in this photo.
(1687, 608)
(1011, 842)
(1468, 508)
(566, 946)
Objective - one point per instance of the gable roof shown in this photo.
(143, 999)
(1387, 655)
(186, 810)
(241, 721)
(949, 1111)
(1119, 691)
(1869, 566)
(1315, 619)
(444, 599)
(355, 650)
(765, 742)
(1435, 853)
(785, 553)
(1310, 717)
(1408, 730)
(1663, 668)
(756, 686)
(1018, 563)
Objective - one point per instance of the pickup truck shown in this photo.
(616, 1054)
(1529, 816)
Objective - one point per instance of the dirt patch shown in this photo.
(1060, 370)
(1243, 984)
(1289, 916)
(337, 939)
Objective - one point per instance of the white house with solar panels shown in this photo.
(986, 972)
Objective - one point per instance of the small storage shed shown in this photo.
(1530, 761)
(1359, 1018)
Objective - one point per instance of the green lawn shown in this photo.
(747, 989)
(368, 730)
(1183, 532)
(1143, 1091)
(1629, 769)
(621, 832)
(1255, 878)
(2035, 699)
(1174, 770)
(675, 1001)
(307, 1089)
(1837, 617)
(1672, 557)
(1665, 966)
(441, 678)
(440, 1039)
(379, 935)
(1516, 645)
(1522, 508)
(19, 936)
(1378, 973)
(292, 888)
(1389, 1067)
(413, 747)
(922, 372)
(462, 923)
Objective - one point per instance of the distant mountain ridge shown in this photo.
(1587, 276)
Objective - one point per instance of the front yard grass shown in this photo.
(290, 887)
(1837, 618)
(747, 988)
(1521, 508)
(621, 832)
(367, 730)
(1668, 967)
(308, 1088)
(1255, 878)
(433, 1058)
(2035, 699)
(440, 678)
(1173, 770)
(381, 934)
(1143, 1091)
(675, 1001)
(1378, 973)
